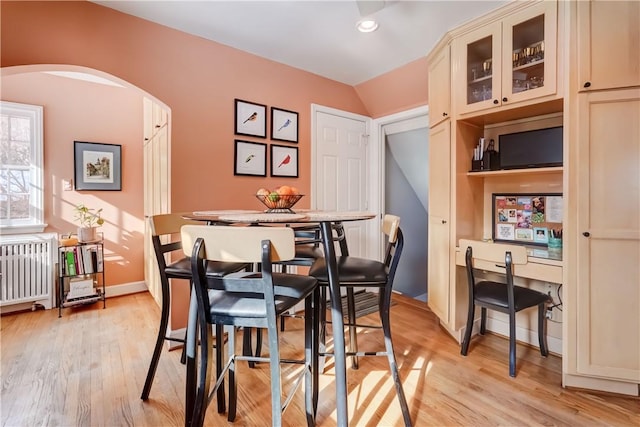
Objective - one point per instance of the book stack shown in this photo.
(79, 260)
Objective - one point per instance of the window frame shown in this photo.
(35, 222)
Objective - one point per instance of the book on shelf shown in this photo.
(70, 263)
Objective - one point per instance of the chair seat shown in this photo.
(495, 294)
(352, 270)
(181, 269)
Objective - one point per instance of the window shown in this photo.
(21, 162)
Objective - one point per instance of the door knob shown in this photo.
(444, 221)
(444, 114)
(586, 234)
(495, 101)
(504, 99)
(587, 84)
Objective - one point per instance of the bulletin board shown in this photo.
(526, 218)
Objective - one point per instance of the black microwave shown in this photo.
(531, 149)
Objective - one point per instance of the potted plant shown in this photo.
(89, 220)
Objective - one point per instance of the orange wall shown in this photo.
(196, 78)
(398, 90)
(82, 111)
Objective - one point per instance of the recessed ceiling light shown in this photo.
(367, 25)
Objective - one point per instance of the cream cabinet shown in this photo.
(608, 44)
(439, 253)
(439, 85)
(507, 61)
(603, 304)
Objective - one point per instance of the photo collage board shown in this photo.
(527, 218)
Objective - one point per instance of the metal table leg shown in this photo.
(338, 324)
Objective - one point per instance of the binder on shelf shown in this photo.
(71, 267)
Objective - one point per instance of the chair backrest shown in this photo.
(265, 245)
(478, 253)
(164, 229)
(395, 243)
(239, 244)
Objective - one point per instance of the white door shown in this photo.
(340, 171)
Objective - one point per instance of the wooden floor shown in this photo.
(88, 368)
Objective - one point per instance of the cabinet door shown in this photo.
(608, 240)
(529, 53)
(439, 220)
(477, 68)
(608, 44)
(440, 87)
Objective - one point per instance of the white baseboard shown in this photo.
(524, 335)
(125, 289)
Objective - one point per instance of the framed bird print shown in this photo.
(284, 125)
(250, 158)
(284, 161)
(250, 119)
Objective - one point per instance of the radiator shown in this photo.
(27, 269)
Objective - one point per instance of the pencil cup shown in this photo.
(555, 243)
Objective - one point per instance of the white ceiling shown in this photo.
(316, 36)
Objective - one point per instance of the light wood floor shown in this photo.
(88, 368)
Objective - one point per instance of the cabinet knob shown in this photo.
(146, 139)
(587, 84)
(444, 114)
(504, 99)
(444, 221)
(495, 101)
(586, 234)
(157, 126)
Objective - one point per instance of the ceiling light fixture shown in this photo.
(367, 25)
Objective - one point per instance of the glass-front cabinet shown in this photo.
(508, 61)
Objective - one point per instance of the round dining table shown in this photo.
(325, 219)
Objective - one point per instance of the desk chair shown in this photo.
(249, 300)
(501, 296)
(164, 229)
(356, 272)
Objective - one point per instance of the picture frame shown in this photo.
(250, 158)
(284, 161)
(284, 125)
(526, 218)
(97, 166)
(250, 119)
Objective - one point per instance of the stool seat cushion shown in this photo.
(352, 270)
(495, 293)
(181, 269)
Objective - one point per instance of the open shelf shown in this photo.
(526, 171)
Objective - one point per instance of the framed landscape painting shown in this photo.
(97, 166)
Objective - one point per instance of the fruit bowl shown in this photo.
(280, 203)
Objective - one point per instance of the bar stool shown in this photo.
(164, 230)
(247, 299)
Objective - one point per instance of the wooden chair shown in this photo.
(500, 296)
(357, 272)
(249, 300)
(165, 229)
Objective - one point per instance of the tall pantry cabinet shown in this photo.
(602, 303)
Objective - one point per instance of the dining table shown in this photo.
(326, 220)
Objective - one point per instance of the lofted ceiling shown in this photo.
(317, 36)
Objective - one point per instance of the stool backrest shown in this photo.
(239, 244)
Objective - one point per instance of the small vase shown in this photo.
(87, 234)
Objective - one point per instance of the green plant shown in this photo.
(88, 217)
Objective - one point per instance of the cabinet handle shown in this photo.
(157, 126)
(504, 99)
(586, 234)
(444, 221)
(495, 101)
(444, 114)
(146, 139)
(587, 84)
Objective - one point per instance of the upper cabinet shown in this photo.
(608, 44)
(439, 86)
(507, 61)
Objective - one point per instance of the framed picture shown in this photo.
(250, 158)
(284, 125)
(284, 161)
(97, 166)
(527, 218)
(250, 118)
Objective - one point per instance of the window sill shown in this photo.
(22, 229)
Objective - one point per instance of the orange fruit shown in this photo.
(284, 190)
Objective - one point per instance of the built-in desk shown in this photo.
(542, 264)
